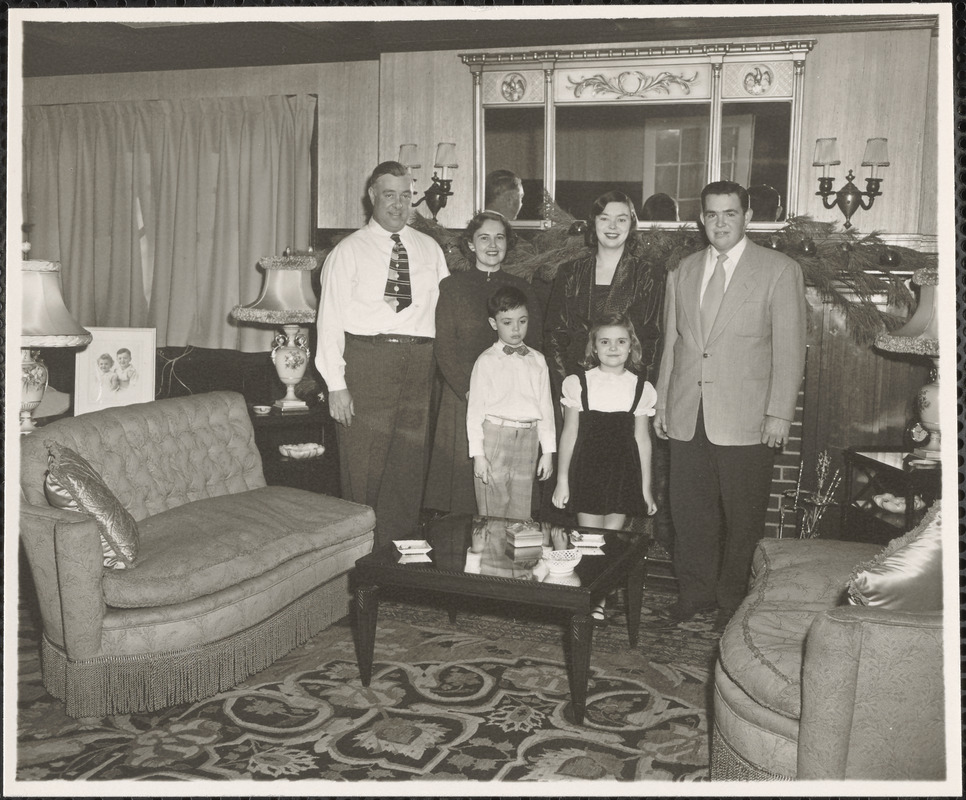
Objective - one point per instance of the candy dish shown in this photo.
(262, 410)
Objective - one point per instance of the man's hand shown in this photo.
(660, 424)
(340, 406)
(774, 431)
(481, 468)
(545, 466)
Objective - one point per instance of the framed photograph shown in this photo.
(115, 369)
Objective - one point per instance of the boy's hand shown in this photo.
(561, 494)
(545, 466)
(660, 424)
(341, 407)
(481, 468)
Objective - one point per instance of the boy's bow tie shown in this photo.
(522, 350)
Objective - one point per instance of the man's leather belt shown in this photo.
(390, 338)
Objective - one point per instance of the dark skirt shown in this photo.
(605, 472)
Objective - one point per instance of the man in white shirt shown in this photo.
(376, 324)
(509, 413)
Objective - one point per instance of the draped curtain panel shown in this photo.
(160, 210)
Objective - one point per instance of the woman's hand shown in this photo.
(561, 494)
(649, 502)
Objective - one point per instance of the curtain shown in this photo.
(159, 210)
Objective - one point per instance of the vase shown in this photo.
(928, 404)
(291, 358)
(33, 387)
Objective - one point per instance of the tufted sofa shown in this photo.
(231, 573)
(809, 687)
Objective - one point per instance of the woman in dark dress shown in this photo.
(611, 277)
(462, 333)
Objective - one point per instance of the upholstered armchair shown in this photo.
(229, 573)
(811, 686)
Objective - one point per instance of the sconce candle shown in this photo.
(446, 157)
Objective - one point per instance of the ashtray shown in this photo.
(262, 410)
(412, 547)
(304, 450)
(579, 539)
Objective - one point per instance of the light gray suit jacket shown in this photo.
(753, 362)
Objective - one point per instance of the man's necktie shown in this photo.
(521, 350)
(712, 296)
(399, 293)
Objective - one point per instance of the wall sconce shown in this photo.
(849, 199)
(435, 196)
(46, 323)
(288, 301)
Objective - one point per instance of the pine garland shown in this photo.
(848, 270)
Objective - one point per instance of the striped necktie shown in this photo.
(399, 293)
(713, 293)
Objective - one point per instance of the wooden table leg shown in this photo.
(579, 643)
(367, 607)
(635, 593)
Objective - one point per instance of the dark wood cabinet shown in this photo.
(317, 474)
(874, 471)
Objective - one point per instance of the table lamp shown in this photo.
(46, 323)
(920, 336)
(287, 300)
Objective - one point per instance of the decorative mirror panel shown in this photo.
(648, 121)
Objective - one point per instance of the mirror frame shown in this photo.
(714, 73)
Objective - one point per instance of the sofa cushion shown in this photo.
(908, 574)
(72, 483)
(792, 580)
(205, 546)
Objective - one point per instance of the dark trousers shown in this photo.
(719, 495)
(384, 452)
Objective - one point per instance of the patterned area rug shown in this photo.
(484, 699)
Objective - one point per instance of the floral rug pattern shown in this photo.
(485, 699)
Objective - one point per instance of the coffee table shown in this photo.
(503, 573)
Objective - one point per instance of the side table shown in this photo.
(874, 471)
(318, 474)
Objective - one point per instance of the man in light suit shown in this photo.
(734, 354)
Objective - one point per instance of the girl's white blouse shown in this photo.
(609, 392)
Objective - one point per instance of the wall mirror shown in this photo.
(657, 123)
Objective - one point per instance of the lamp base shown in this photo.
(34, 384)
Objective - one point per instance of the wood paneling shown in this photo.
(860, 85)
(348, 140)
(426, 98)
(928, 205)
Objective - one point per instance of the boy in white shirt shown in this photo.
(509, 413)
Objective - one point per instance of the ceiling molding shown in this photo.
(75, 48)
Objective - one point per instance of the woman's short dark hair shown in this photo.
(466, 238)
(615, 196)
(636, 357)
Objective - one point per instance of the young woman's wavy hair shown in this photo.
(466, 238)
(634, 360)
